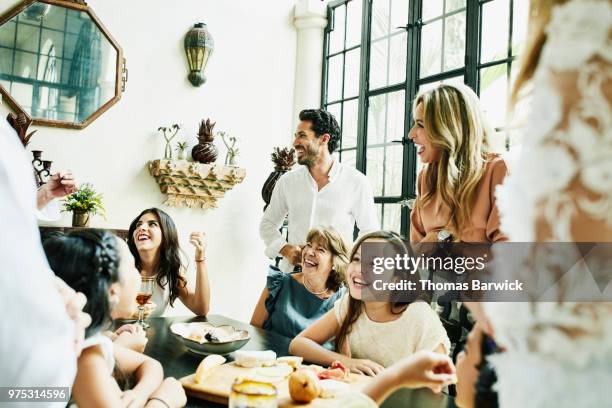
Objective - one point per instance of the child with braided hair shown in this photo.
(100, 265)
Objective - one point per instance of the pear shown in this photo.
(304, 386)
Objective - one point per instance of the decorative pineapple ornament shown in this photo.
(205, 151)
(283, 160)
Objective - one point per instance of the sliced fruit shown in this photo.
(206, 367)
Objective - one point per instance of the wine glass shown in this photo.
(144, 294)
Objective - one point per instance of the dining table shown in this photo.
(178, 362)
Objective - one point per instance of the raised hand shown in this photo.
(197, 239)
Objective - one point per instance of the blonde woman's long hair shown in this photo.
(539, 17)
(331, 239)
(457, 126)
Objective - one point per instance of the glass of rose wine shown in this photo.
(144, 294)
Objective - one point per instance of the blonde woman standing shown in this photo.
(456, 188)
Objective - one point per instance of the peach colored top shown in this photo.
(427, 220)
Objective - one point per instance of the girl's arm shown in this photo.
(260, 314)
(198, 301)
(308, 344)
(94, 385)
(148, 374)
(422, 369)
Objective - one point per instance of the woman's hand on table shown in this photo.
(363, 366)
(171, 392)
(197, 239)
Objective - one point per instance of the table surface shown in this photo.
(178, 362)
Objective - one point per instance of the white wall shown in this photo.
(249, 93)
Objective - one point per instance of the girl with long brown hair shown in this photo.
(456, 188)
(371, 335)
(153, 241)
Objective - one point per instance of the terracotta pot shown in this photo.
(80, 219)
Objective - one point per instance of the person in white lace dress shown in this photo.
(560, 354)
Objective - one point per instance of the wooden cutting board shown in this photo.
(218, 385)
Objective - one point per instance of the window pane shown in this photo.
(456, 80)
(28, 37)
(55, 18)
(334, 109)
(379, 213)
(494, 93)
(336, 37)
(520, 16)
(7, 35)
(397, 66)
(431, 49)
(26, 64)
(349, 124)
(376, 119)
(6, 60)
(392, 217)
(399, 14)
(431, 9)
(385, 118)
(349, 158)
(351, 73)
(353, 23)
(374, 168)
(378, 63)
(380, 19)
(495, 19)
(454, 42)
(452, 5)
(393, 169)
(334, 78)
(395, 116)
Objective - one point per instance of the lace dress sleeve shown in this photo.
(562, 189)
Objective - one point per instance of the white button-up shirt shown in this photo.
(36, 335)
(345, 200)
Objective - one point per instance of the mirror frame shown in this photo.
(79, 5)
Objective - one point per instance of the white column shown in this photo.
(310, 21)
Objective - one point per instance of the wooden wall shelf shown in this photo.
(192, 184)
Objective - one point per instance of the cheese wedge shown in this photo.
(293, 361)
(275, 373)
(333, 388)
(206, 367)
(250, 359)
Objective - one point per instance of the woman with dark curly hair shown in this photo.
(153, 240)
(291, 302)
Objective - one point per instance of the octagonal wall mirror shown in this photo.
(58, 63)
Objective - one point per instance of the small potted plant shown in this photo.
(84, 203)
(180, 149)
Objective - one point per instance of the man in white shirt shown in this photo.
(320, 192)
(38, 334)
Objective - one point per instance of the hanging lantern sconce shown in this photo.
(199, 46)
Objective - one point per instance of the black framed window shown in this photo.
(380, 53)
